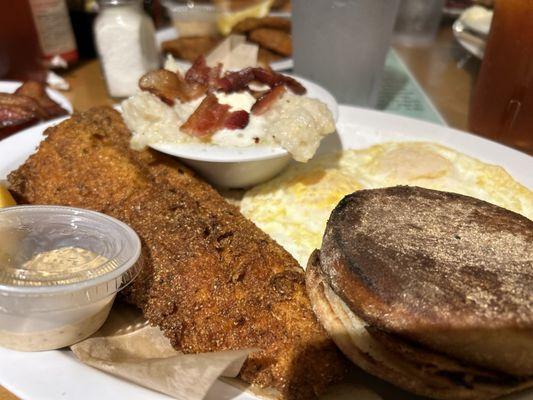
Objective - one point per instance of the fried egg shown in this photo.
(294, 207)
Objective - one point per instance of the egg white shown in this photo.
(294, 207)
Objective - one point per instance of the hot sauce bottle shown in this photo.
(21, 57)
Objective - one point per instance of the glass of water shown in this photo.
(417, 22)
(342, 45)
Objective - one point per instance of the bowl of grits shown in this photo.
(236, 128)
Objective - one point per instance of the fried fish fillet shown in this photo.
(266, 57)
(190, 48)
(211, 279)
(249, 24)
(272, 39)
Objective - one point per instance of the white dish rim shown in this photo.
(47, 375)
(221, 154)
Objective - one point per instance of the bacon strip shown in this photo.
(264, 103)
(236, 81)
(200, 73)
(17, 109)
(37, 91)
(273, 79)
(239, 80)
(237, 120)
(169, 86)
(210, 116)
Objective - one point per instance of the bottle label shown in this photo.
(53, 28)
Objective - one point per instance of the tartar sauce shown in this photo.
(56, 267)
(61, 262)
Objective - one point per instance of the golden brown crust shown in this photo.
(405, 365)
(249, 24)
(272, 39)
(190, 48)
(212, 280)
(446, 270)
(266, 57)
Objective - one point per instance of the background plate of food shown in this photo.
(370, 149)
(270, 33)
(25, 104)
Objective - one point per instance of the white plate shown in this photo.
(57, 374)
(11, 86)
(170, 33)
(204, 152)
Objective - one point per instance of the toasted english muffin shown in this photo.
(402, 363)
(410, 277)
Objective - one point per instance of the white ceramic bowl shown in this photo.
(241, 167)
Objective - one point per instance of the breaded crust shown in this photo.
(190, 48)
(249, 24)
(272, 39)
(411, 367)
(211, 279)
(446, 270)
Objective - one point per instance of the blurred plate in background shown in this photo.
(170, 33)
(11, 86)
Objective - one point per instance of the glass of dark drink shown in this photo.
(502, 103)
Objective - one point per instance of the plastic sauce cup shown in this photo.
(44, 311)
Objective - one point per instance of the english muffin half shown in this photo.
(432, 291)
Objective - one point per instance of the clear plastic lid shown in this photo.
(63, 256)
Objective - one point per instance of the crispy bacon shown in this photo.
(264, 103)
(210, 116)
(17, 109)
(28, 105)
(15, 115)
(235, 81)
(198, 72)
(169, 86)
(273, 79)
(239, 80)
(256, 94)
(162, 83)
(237, 120)
(37, 91)
(201, 73)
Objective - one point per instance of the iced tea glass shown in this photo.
(502, 103)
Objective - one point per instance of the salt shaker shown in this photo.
(125, 39)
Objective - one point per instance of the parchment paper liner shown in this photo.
(128, 347)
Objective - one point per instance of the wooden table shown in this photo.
(444, 70)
